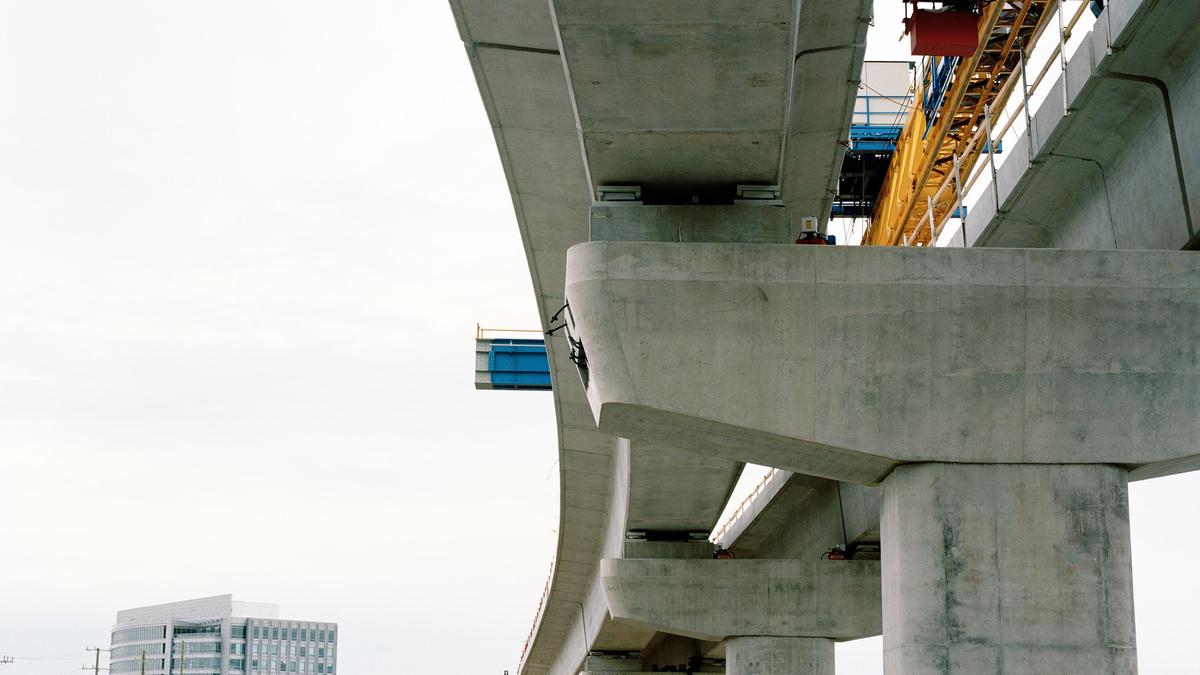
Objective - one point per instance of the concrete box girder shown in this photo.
(844, 362)
(676, 490)
(513, 23)
(678, 92)
(512, 47)
(693, 94)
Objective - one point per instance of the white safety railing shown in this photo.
(481, 332)
(536, 617)
(988, 137)
(737, 513)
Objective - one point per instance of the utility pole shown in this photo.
(96, 668)
(143, 662)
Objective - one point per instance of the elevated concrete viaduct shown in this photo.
(577, 93)
(972, 414)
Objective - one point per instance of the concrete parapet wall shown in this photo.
(845, 362)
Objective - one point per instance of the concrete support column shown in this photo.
(1007, 568)
(778, 656)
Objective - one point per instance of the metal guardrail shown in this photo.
(737, 513)
(537, 617)
(481, 332)
(926, 150)
(511, 363)
(985, 133)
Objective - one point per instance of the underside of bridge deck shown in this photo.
(999, 399)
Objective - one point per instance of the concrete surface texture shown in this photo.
(806, 524)
(611, 664)
(714, 599)
(616, 221)
(794, 515)
(708, 94)
(779, 656)
(1007, 569)
(518, 51)
(1018, 355)
(695, 350)
(513, 50)
(1117, 171)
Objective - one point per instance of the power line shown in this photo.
(65, 657)
(882, 95)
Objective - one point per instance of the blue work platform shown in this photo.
(511, 363)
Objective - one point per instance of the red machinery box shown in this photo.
(943, 33)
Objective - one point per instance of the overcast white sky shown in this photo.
(243, 247)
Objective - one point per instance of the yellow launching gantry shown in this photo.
(943, 139)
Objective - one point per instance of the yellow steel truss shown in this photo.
(925, 156)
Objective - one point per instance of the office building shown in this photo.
(220, 636)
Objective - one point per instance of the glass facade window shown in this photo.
(303, 643)
(136, 634)
(198, 630)
(137, 650)
(135, 666)
(197, 647)
(207, 663)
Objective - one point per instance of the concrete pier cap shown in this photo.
(718, 599)
(845, 362)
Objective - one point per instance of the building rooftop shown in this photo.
(199, 608)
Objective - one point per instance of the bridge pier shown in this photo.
(779, 656)
(1003, 398)
(1007, 568)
